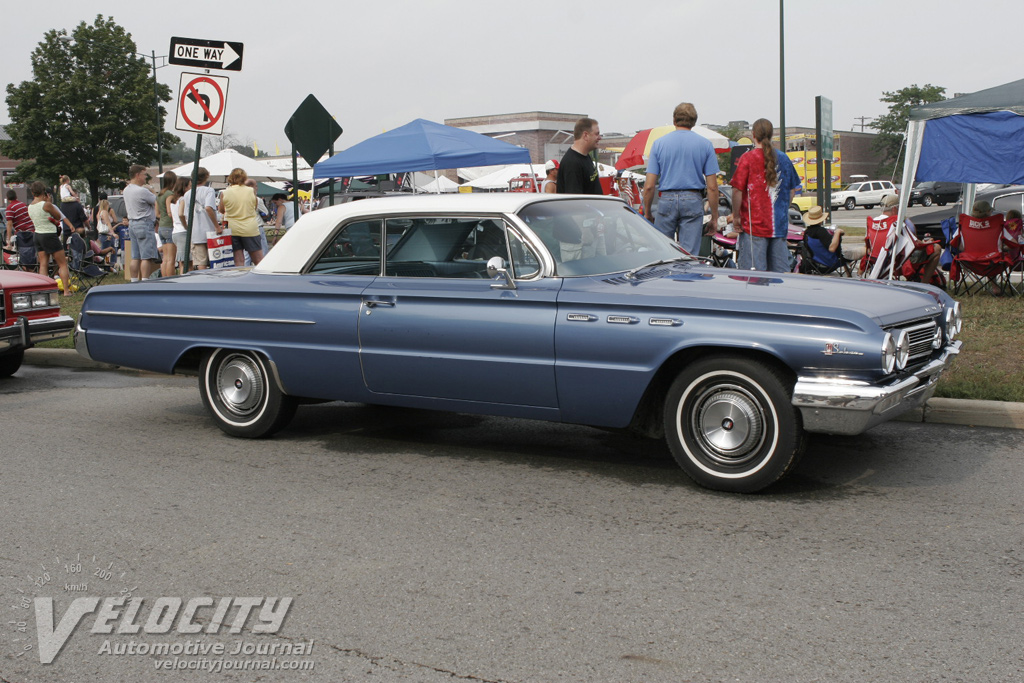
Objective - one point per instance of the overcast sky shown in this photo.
(378, 65)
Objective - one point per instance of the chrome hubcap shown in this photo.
(239, 384)
(728, 424)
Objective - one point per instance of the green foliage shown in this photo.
(180, 153)
(724, 158)
(89, 109)
(892, 127)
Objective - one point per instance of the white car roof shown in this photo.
(303, 240)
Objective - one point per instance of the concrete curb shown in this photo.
(937, 411)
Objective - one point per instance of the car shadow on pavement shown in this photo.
(891, 456)
(351, 427)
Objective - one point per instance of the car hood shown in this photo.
(17, 278)
(729, 290)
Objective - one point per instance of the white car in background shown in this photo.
(866, 193)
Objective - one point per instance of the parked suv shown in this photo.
(866, 193)
(931, 192)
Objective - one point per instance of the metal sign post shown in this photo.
(824, 134)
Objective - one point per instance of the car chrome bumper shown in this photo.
(25, 333)
(80, 344)
(851, 407)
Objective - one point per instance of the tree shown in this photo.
(892, 127)
(88, 111)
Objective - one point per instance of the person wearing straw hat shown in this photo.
(814, 229)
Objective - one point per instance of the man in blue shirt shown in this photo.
(681, 165)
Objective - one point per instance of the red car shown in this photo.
(29, 313)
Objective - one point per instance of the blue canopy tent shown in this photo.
(420, 146)
(971, 139)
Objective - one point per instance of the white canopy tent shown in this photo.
(498, 179)
(223, 162)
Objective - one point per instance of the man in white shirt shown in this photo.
(205, 219)
(140, 203)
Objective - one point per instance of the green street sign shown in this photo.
(825, 133)
(312, 130)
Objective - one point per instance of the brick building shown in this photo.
(7, 167)
(856, 149)
(547, 135)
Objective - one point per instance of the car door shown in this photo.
(323, 362)
(875, 194)
(436, 326)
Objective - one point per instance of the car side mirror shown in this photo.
(496, 268)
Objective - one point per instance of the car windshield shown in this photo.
(596, 237)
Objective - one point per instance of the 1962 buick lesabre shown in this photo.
(562, 308)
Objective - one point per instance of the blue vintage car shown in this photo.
(563, 308)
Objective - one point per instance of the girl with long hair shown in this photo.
(762, 189)
(47, 220)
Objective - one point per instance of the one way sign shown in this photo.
(206, 54)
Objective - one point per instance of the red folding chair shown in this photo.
(981, 262)
(874, 241)
(1013, 243)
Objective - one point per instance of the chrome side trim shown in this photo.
(665, 322)
(580, 317)
(623, 319)
(177, 316)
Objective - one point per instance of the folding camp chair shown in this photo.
(723, 251)
(891, 250)
(1013, 244)
(85, 271)
(10, 260)
(23, 256)
(874, 241)
(816, 259)
(981, 263)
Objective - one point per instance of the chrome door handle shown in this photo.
(373, 303)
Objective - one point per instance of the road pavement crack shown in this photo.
(390, 664)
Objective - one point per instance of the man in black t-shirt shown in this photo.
(77, 216)
(577, 173)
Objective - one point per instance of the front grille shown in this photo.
(3, 307)
(921, 333)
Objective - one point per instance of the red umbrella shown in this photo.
(639, 147)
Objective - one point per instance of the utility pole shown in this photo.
(782, 76)
(862, 119)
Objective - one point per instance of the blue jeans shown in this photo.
(763, 253)
(107, 240)
(680, 215)
(143, 239)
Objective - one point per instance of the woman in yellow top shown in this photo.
(238, 204)
(41, 211)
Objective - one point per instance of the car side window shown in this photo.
(525, 263)
(444, 246)
(354, 250)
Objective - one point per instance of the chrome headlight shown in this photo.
(937, 338)
(888, 354)
(902, 349)
(954, 321)
(27, 301)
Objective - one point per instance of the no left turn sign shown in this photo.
(202, 99)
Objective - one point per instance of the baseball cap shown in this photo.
(889, 201)
(550, 165)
